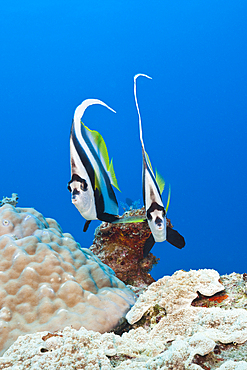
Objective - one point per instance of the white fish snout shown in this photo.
(157, 224)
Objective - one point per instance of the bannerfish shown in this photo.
(92, 174)
(152, 187)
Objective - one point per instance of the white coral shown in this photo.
(82, 349)
(176, 292)
(232, 365)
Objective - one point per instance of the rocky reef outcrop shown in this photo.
(120, 246)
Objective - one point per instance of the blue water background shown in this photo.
(55, 54)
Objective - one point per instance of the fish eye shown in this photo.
(84, 185)
(5, 222)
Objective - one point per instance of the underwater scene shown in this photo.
(123, 188)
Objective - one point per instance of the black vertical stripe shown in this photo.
(99, 199)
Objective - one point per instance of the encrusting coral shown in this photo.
(175, 294)
(48, 282)
(183, 339)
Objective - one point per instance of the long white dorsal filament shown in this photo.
(79, 112)
(85, 104)
(137, 106)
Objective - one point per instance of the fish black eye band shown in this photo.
(154, 206)
(76, 177)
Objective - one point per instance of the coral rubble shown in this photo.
(48, 282)
(13, 200)
(120, 246)
(170, 333)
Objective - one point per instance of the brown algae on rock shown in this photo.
(120, 246)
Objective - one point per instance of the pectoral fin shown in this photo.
(148, 245)
(86, 225)
(174, 238)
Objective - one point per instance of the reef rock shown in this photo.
(186, 337)
(48, 282)
(120, 246)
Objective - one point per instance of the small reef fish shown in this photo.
(152, 187)
(92, 174)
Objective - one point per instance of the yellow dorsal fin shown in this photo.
(100, 144)
(168, 199)
(96, 183)
(149, 162)
(113, 176)
(160, 181)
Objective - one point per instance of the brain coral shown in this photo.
(48, 282)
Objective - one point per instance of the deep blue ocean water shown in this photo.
(55, 54)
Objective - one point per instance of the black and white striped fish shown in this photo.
(92, 174)
(152, 187)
